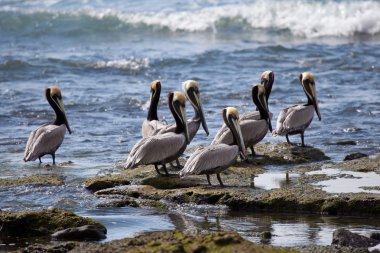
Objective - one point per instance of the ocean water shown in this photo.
(104, 54)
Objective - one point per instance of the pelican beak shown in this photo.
(315, 101)
(183, 118)
(61, 107)
(239, 136)
(199, 107)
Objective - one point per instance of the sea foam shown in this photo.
(301, 18)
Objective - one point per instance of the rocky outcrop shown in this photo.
(83, 233)
(343, 237)
(40, 179)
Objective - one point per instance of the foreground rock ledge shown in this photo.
(40, 223)
(171, 241)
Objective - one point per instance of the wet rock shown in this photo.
(375, 236)
(41, 179)
(83, 233)
(104, 182)
(266, 235)
(330, 249)
(178, 242)
(364, 164)
(344, 237)
(284, 153)
(55, 248)
(120, 203)
(170, 182)
(354, 156)
(40, 223)
(344, 143)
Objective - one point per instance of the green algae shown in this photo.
(41, 179)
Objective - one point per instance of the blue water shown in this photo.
(104, 54)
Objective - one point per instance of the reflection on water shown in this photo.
(273, 180)
(348, 181)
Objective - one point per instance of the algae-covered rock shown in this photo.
(83, 233)
(344, 237)
(170, 182)
(178, 242)
(42, 179)
(41, 223)
(354, 156)
(364, 164)
(103, 182)
(126, 201)
(284, 153)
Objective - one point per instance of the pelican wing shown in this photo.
(255, 115)
(253, 131)
(205, 159)
(222, 136)
(151, 127)
(44, 140)
(294, 118)
(154, 149)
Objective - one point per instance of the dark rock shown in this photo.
(354, 156)
(104, 182)
(346, 143)
(126, 201)
(60, 248)
(83, 233)
(344, 237)
(266, 235)
(40, 223)
(375, 236)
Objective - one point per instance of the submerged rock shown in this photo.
(344, 237)
(83, 233)
(41, 223)
(354, 156)
(40, 179)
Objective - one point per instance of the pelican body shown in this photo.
(163, 148)
(253, 130)
(46, 139)
(151, 124)
(214, 159)
(295, 119)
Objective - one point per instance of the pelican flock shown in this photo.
(46, 139)
(162, 143)
(295, 119)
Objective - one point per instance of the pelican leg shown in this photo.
(208, 179)
(219, 179)
(179, 166)
(53, 156)
(39, 158)
(156, 167)
(252, 151)
(287, 139)
(302, 139)
(166, 171)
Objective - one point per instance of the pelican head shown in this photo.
(177, 105)
(231, 119)
(191, 89)
(259, 98)
(54, 97)
(155, 88)
(308, 83)
(267, 79)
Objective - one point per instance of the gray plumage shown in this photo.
(294, 119)
(152, 127)
(43, 141)
(210, 160)
(192, 124)
(156, 149)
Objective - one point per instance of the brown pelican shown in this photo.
(151, 124)
(214, 159)
(295, 119)
(163, 148)
(47, 138)
(267, 79)
(253, 130)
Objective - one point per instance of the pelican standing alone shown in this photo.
(253, 130)
(151, 124)
(295, 119)
(47, 138)
(214, 159)
(163, 148)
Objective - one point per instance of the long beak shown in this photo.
(201, 113)
(62, 109)
(239, 138)
(184, 121)
(263, 103)
(315, 102)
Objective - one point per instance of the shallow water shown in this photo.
(104, 54)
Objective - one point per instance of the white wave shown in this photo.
(126, 64)
(301, 17)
